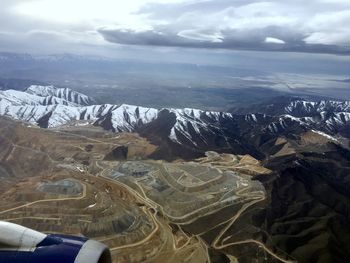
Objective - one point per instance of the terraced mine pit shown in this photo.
(64, 187)
(144, 210)
(208, 200)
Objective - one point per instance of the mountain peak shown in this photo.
(62, 93)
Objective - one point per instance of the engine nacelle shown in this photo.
(21, 244)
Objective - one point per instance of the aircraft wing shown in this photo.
(24, 245)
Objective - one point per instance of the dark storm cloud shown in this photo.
(230, 39)
(318, 26)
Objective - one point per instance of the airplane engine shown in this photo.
(24, 245)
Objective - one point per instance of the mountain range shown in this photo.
(195, 130)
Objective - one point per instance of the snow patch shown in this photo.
(329, 137)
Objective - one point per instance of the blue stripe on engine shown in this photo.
(53, 249)
(53, 254)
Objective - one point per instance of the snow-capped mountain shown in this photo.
(36, 95)
(51, 93)
(304, 108)
(51, 107)
(191, 127)
(296, 107)
(328, 116)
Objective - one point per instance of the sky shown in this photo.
(106, 26)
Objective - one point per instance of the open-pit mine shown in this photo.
(86, 181)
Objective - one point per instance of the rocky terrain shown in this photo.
(185, 133)
(266, 183)
(83, 180)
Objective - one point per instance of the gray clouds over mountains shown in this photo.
(315, 26)
(318, 26)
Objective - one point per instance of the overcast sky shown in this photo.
(51, 26)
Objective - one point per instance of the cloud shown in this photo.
(253, 39)
(274, 40)
(316, 26)
(213, 37)
(330, 28)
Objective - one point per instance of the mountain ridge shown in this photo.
(195, 129)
